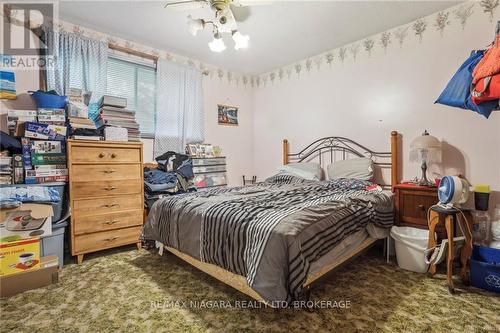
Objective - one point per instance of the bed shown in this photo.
(275, 239)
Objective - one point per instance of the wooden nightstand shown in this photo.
(411, 206)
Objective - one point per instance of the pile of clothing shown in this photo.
(476, 84)
(173, 175)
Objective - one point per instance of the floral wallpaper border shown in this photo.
(438, 22)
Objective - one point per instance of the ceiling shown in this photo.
(280, 33)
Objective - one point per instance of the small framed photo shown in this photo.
(209, 152)
(227, 115)
(192, 149)
(217, 151)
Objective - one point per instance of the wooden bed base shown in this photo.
(239, 282)
(330, 144)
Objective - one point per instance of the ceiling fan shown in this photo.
(227, 14)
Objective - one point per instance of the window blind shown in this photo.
(137, 83)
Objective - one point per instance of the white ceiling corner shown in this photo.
(281, 33)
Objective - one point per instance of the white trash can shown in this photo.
(411, 244)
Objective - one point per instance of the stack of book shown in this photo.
(84, 129)
(5, 170)
(113, 112)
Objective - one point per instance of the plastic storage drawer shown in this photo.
(485, 268)
(209, 161)
(210, 180)
(209, 168)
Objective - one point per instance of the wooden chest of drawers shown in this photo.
(106, 194)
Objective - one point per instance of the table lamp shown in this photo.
(425, 149)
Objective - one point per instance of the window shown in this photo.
(136, 82)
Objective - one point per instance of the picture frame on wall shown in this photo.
(227, 115)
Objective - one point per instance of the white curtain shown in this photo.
(80, 62)
(179, 107)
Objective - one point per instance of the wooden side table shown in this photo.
(448, 217)
(411, 203)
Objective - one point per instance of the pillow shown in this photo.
(310, 170)
(357, 168)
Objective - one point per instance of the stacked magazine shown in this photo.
(113, 112)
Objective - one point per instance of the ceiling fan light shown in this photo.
(217, 44)
(240, 40)
(195, 25)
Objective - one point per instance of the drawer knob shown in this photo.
(111, 222)
(101, 155)
(421, 207)
(111, 205)
(109, 171)
(113, 155)
(110, 239)
(111, 188)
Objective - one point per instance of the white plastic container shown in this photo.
(411, 244)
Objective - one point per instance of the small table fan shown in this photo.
(453, 190)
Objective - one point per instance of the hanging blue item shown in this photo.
(457, 91)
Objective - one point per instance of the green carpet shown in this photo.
(139, 291)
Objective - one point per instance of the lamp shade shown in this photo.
(425, 148)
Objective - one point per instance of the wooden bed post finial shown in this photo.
(285, 151)
(394, 158)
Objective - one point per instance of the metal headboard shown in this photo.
(333, 144)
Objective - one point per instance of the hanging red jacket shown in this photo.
(486, 75)
(490, 64)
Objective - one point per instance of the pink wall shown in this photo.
(25, 80)
(366, 99)
(236, 141)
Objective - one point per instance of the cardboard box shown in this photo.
(26, 150)
(47, 159)
(44, 131)
(43, 180)
(40, 176)
(46, 172)
(47, 274)
(19, 256)
(31, 226)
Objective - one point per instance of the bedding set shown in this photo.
(271, 232)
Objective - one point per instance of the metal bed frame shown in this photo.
(315, 149)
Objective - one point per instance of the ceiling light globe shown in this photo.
(217, 44)
(195, 25)
(240, 40)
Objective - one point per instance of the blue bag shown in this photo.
(457, 91)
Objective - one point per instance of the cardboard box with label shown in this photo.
(19, 256)
(47, 274)
(26, 221)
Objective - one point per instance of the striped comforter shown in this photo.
(270, 232)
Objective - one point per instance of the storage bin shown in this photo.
(54, 244)
(485, 268)
(58, 206)
(50, 101)
(411, 244)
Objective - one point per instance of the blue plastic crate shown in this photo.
(485, 268)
